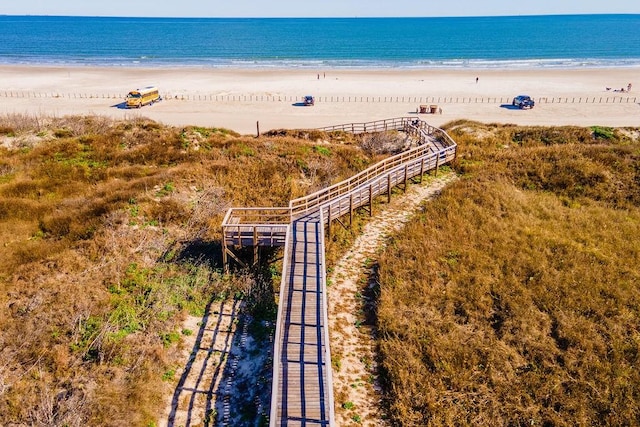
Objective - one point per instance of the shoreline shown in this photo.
(525, 65)
(240, 98)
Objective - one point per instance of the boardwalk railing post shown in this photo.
(225, 261)
(389, 188)
(329, 220)
(370, 200)
(406, 177)
(435, 171)
(255, 245)
(351, 209)
(421, 169)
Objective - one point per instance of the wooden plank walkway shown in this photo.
(302, 389)
(302, 386)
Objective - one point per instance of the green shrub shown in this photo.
(169, 338)
(348, 405)
(600, 132)
(324, 151)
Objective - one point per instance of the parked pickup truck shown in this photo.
(523, 101)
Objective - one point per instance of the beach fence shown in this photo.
(607, 99)
(14, 94)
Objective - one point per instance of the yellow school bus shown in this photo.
(139, 97)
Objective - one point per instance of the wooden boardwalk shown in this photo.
(302, 385)
(302, 389)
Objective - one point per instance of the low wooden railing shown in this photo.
(302, 205)
(397, 123)
(241, 216)
(256, 226)
(263, 226)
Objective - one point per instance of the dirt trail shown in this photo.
(356, 392)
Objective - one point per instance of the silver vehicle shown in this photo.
(523, 101)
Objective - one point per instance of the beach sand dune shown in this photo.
(239, 99)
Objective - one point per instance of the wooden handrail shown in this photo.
(275, 380)
(300, 206)
(276, 215)
(397, 123)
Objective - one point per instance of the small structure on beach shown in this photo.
(427, 109)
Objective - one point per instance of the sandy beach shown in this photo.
(238, 99)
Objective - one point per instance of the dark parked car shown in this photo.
(309, 100)
(523, 101)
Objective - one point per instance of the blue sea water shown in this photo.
(484, 42)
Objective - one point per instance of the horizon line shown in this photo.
(313, 17)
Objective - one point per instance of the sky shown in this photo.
(318, 8)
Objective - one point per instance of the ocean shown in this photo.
(571, 41)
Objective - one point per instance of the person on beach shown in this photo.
(476, 80)
(629, 87)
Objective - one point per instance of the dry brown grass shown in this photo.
(109, 233)
(513, 299)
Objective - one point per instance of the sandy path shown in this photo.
(224, 372)
(352, 343)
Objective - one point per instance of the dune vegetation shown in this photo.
(110, 236)
(514, 298)
(511, 299)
